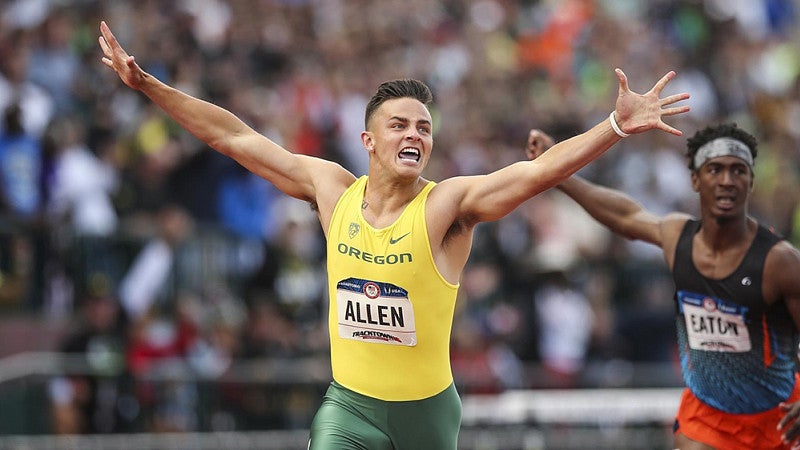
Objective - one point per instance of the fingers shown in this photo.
(541, 139)
(108, 42)
(106, 51)
(671, 112)
(105, 39)
(104, 45)
(109, 54)
(675, 110)
(533, 137)
(107, 34)
(790, 437)
(674, 98)
(660, 84)
(669, 129)
(788, 424)
(623, 80)
(791, 414)
(645, 111)
(530, 145)
(538, 139)
(538, 142)
(115, 57)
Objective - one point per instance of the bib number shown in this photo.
(375, 312)
(713, 325)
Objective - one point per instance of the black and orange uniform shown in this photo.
(737, 352)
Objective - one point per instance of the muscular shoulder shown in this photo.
(782, 271)
(671, 227)
(330, 180)
(445, 216)
(785, 255)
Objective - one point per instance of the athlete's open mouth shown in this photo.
(410, 154)
(726, 201)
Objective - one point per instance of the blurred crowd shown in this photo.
(162, 256)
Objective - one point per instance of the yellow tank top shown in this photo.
(391, 311)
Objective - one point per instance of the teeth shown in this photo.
(408, 153)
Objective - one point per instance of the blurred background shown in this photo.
(153, 294)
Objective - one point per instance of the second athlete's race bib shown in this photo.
(714, 325)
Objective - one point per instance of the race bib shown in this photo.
(713, 325)
(371, 311)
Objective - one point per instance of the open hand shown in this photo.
(636, 113)
(118, 59)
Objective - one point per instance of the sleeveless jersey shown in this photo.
(391, 311)
(737, 352)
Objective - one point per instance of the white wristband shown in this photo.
(616, 127)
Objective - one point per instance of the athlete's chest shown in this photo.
(717, 264)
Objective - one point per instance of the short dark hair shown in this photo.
(710, 133)
(401, 88)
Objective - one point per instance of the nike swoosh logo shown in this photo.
(395, 241)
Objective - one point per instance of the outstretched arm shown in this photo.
(616, 210)
(224, 132)
(492, 196)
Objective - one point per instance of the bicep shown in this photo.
(294, 174)
(643, 225)
(493, 196)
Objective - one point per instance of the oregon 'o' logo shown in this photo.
(353, 230)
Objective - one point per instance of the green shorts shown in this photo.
(348, 420)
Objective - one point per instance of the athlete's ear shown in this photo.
(368, 140)
(695, 181)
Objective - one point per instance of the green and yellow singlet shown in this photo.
(391, 311)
